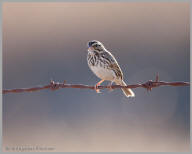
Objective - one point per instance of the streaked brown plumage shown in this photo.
(104, 65)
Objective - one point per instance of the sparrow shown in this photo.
(104, 65)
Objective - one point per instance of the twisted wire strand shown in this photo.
(56, 85)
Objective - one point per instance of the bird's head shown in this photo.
(95, 46)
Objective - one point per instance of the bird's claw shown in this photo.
(97, 89)
(97, 86)
(110, 86)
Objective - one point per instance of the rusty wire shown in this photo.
(56, 85)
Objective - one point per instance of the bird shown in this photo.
(104, 65)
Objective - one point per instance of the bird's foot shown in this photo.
(110, 86)
(97, 85)
(97, 89)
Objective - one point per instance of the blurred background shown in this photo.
(44, 41)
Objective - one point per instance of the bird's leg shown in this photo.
(109, 85)
(98, 84)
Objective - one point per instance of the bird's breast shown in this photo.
(103, 73)
(99, 67)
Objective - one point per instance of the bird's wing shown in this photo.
(112, 64)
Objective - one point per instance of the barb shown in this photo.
(56, 85)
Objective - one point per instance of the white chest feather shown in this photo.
(103, 73)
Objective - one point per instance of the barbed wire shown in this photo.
(56, 85)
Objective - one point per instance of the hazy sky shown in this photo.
(43, 41)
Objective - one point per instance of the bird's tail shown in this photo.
(127, 91)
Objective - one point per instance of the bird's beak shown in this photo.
(90, 49)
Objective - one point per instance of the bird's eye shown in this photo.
(97, 45)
